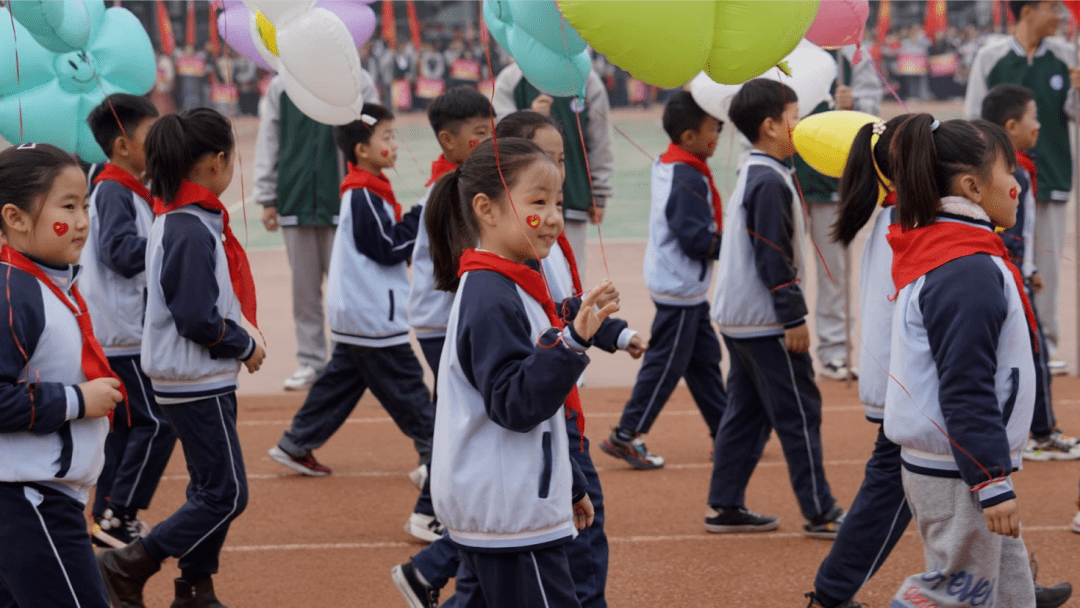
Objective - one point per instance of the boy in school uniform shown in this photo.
(1013, 108)
(761, 312)
(366, 292)
(113, 282)
(684, 242)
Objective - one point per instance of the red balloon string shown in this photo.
(18, 74)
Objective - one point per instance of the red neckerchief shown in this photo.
(94, 363)
(379, 184)
(125, 179)
(890, 199)
(533, 284)
(676, 154)
(439, 167)
(1028, 164)
(568, 253)
(920, 250)
(243, 284)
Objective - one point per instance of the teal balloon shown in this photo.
(549, 51)
(57, 85)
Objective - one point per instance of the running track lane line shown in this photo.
(704, 536)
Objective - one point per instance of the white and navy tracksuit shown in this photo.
(50, 454)
(961, 359)
(367, 288)
(684, 242)
(428, 308)
(1020, 240)
(192, 347)
(113, 283)
(879, 514)
(503, 382)
(757, 298)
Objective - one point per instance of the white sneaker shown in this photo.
(1076, 523)
(418, 476)
(302, 379)
(835, 370)
(424, 527)
(1057, 367)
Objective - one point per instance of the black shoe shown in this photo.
(1052, 597)
(416, 592)
(739, 519)
(826, 526)
(126, 571)
(199, 594)
(815, 602)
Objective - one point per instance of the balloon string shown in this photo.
(18, 73)
(484, 42)
(889, 87)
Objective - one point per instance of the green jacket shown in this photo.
(1047, 74)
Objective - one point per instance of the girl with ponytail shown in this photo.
(508, 376)
(962, 386)
(199, 285)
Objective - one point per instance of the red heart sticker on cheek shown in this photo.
(1013, 193)
(386, 153)
(533, 221)
(474, 142)
(60, 228)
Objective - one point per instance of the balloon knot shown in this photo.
(784, 67)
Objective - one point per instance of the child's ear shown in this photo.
(1011, 124)
(446, 139)
(969, 188)
(15, 219)
(121, 146)
(767, 130)
(686, 138)
(360, 151)
(484, 208)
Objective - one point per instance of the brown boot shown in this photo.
(199, 594)
(125, 571)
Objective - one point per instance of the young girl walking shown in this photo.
(57, 391)
(508, 370)
(961, 403)
(199, 286)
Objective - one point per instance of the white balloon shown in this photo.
(318, 50)
(256, 38)
(279, 11)
(315, 108)
(813, 71)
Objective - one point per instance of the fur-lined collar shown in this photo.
(958, 205)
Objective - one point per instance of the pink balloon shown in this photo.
(839, 23)
(233, 25)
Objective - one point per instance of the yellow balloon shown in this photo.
(267, 32)
(824, 140)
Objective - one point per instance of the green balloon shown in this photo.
(667, 42)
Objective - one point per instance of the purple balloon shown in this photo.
(233, 25)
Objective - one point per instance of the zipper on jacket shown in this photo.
(545, 472)
(391, 304)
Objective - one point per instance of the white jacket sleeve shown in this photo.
(598, 139)
(976, 85)
(505, 83)
(368, 89)
(267, 143)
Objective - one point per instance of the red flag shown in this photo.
(1010, 18)
(884, 24)
(997, 15)
(189, 27)
(215, 45)
(389, 28)
(166, 40)
(937, 19)
(1074, 9)
(414, 24)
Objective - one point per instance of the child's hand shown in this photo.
(797, 339)
(608, 295)
(1004, 518)
(100, 396)
(844, 98)
(1036, 283)
(589, 318)
(270, 219)
(584, 513)
(542, 104)
(637, 346)
(254, 362)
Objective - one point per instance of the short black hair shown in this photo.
(757, 100)
(682, 114)
(1016, 6)
(450, 110)
(359, 132)
(1006, 102)
(524, 124)
(119, 114)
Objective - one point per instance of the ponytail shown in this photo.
(927, 156)
(860, 184)
(177, 142)
(449, 217)
(451, 230)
